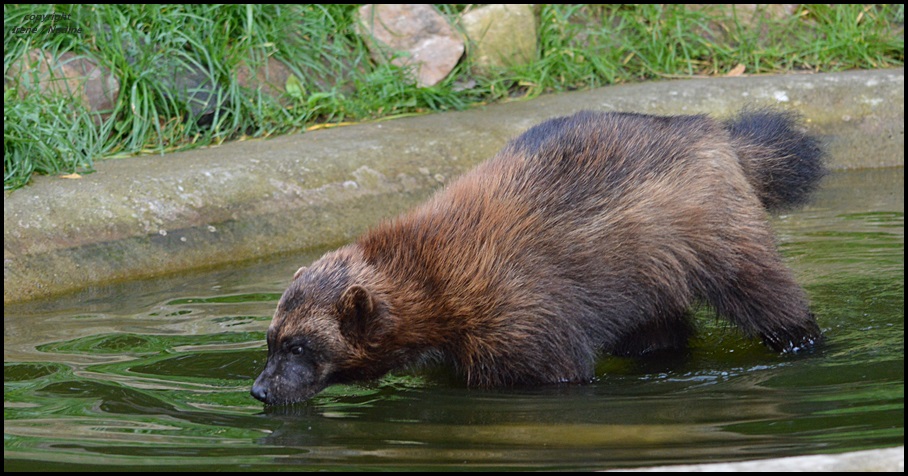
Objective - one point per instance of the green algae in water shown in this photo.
(155, 375)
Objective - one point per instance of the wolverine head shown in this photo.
(322, 332)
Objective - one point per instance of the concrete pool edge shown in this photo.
(879, 460)
(150, 216)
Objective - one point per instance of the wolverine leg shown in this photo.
(758, 293)
(665, 333)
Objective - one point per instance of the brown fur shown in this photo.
(587, 234)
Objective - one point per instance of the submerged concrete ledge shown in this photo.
(150, 216)
(884, 460)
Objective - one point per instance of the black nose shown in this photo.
(260, 392)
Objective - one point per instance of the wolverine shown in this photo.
(587, 235)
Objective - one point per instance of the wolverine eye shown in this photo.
(298, 346)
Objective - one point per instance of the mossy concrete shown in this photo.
(155, 215)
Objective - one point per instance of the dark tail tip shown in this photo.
(783, 163)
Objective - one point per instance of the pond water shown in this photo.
(155, 375)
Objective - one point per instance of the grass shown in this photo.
(579, 47)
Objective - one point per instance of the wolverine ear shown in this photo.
(299, 272)
(357, 312)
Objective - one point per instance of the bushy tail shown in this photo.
(782, 163)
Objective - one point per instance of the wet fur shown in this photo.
(588, 234)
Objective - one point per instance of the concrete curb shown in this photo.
(150, 216)
(884, 460)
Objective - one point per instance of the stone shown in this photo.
(414, 36)
(78, 77)
(748, 15)
(269, 77)
(500, 35)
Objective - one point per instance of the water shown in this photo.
(156, 374)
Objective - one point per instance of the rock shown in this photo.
(752, 13)
(78, 77)
(270, 77)
(500, 35)
(414, 36)
(748, 15)
(192, 84)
